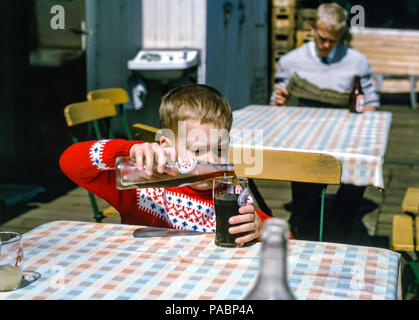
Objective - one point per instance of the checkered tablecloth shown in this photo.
(359, 141)
(80, 260)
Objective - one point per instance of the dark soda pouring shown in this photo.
(128, 176)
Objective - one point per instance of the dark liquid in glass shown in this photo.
(226, 206)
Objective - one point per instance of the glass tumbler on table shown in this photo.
(11, 260)
(229, 194)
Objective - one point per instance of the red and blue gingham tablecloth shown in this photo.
(359, 141)
(81, 260)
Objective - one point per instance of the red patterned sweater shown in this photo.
(91, 165)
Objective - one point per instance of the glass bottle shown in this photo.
(183, 172)
(272, 283)
(356, 96)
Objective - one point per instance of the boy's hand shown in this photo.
(147, 153)
(250, 223)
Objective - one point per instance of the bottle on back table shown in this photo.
(356, 96)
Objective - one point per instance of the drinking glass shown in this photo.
(11, 260)
(229, 194)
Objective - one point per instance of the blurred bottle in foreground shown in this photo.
(356, 97)
(182, 173)
(272, 283)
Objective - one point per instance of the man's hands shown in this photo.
(369, 108)
(281, 95)
(145, 154)
(250, 223)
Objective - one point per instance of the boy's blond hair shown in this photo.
(333, 15)
(196, 101)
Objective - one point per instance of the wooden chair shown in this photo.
(144, 132)
(92, 112)
(117, 96)
(405, 233)
(292, 166)
(393, 56)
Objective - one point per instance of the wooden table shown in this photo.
(81, 260)
(358, 141)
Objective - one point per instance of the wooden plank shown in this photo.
(302, 37)
(395, 52)
(111, 212)
(402, 235)
(410, 44)
(411, 201)
(385, 32)
(116, 95)
(396, 86)
(144, 132)
(286, 165)
(283, 20)
(284, 3)
(82, 112)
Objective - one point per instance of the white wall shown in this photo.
(174, 24)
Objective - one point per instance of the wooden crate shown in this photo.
(284, 11)
(276, 55)
(283, 38)
(283, 42)
(302, 37)
(283, 20)
(304, 17)
(284, 3)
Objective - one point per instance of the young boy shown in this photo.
(197, 109)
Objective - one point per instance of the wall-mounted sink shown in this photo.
(163, 65)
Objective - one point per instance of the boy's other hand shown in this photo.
(281, 95)
(250, 223)
(145, 154)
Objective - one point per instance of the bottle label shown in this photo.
(185, 165)
(359, 103)
(242, 199)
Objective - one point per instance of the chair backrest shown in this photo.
(286, 165)
(90, 111)
(116, 95)
(87, 111)
(144, 132)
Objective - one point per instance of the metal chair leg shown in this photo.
(322, 214)
(412, 91)
(125, 121)
(259, 199)
(97, 215)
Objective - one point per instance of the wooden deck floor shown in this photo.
(401, 170)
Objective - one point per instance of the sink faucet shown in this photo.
(185, 53)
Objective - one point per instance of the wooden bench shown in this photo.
(405, 232)
(393, 55)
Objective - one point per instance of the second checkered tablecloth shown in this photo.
(359, 141)
(80, 260)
